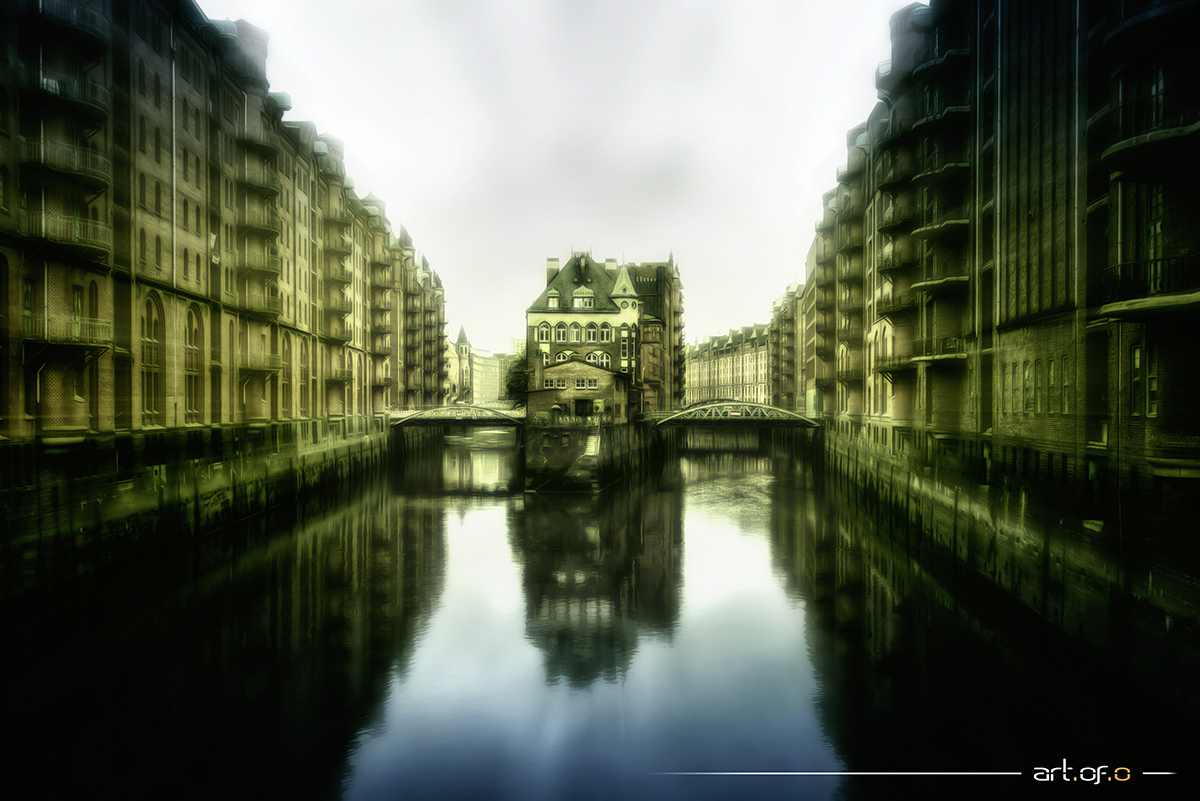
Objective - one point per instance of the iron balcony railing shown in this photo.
(260, 177)
(89, 94)
(71, 14)
(260, 219)
(62, 157)
(80, 331)
(263, 362)
(66, 230)
(893, 362)
(1151, 277)
(339, 374)
(939, 346)
(896, 303)
(258, 262)
(255, 302)
(258, 138)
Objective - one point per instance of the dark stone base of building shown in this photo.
(1017, 552)
(76, 507)
(578, 459)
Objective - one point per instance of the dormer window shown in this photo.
(552, 301)
(583, 303)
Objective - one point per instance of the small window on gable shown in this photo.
(562, 383)
(580, 383)
(591, 383)
(548, 383)
(562, 356)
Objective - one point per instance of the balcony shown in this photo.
(942, 114)
(260, 306)
(824, 381)
(848, 172)
(90, 27)
(259, 363)
(338, 273)
(948, 351)
(850, 271)
(896, 258)
(381, 277)
(259, 139)
(338, 305)
(381, 348)
(894, 363)
(849, 239)
(897, 217)
(850, 375)
(896, 175)
(339, 375)
(827, 222)
(1154, 133)
(338, 244)
(91, 100)
(381, 326)
(264, 221)
(260, 263)
(943, 223)
(825, 256)
(338, 217)
(896, 304)
(824, 352)
(944, 278)
(79, 236)
(850, 332)
(1155, 285)
(1157, 21)
(83, 332)
(823, 327)
(337, 332)
(937, 57)
(382, 381)
(87, 168)
(262, 178)
(381, 301)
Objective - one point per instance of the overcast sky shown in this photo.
(503, 133)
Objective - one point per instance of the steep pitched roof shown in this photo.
(583, 273)
(623, 286)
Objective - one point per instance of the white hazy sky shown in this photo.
(503, 133)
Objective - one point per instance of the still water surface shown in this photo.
(446, 637)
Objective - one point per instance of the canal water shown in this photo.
(444, 635)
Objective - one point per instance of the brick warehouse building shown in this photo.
(1006, 276)
(605, 341)
(176, 257)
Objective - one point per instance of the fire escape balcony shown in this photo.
(897, 217)
(91, 171)
(84, 332)
(945, 351)
(850, 271)
(381, 301)
(850, 331)
(1140, 288)
(1154, 133)
(261, 263)
(338, 305)
(896, 304)
(264, 141)
(896, 258)
(894, 363)
(259, 363)
(76, 236)
(86, 28)
(338, 273)
(264, 221)
(91, 100)
(263, 179)
(339, 375)
(337, 331)
(260, 306)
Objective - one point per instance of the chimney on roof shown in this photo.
(610, 267)
(551, 270)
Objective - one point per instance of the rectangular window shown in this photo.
(1136, 399)
(548, 383)
(1066, 383)
(1003, 388)
(1151, 380)
(580, 383)
(562, 383)
(1026, 390)
(1037, 386)
(1016, 391)
(591, 383)
(1051, 387)
(624, 348)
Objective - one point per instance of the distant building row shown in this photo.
(173, 254)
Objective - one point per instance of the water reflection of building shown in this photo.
(482, 461)
(921, 669)
(242, 667)
(599, 571)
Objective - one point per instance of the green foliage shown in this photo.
(516, 379)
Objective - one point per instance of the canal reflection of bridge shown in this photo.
(705, 415)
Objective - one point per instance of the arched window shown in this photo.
(285, 374)
(545, 358)
(605, 360)
(576, 332)
(605, 332)
(157, 198)
(193, 338)
(158, 252)
(591, 332)
(543, 332)
(560, 332)
(3, 187)
(184, 218)
(142, 247)
(591, 357)
(186, 262)
(153, 392)
(187, 164)
(142, 134)
(562, 356)
(142, 189)
(158, 144)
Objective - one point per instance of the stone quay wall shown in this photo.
(74, 508)
(588, 459)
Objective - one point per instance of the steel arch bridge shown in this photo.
(480, 416)
(733, 413)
